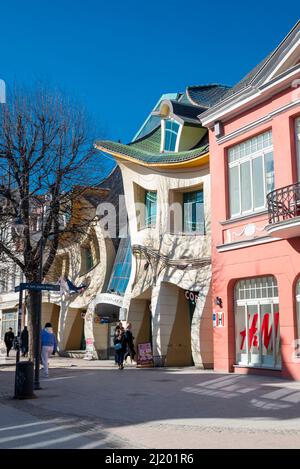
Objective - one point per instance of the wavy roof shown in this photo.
(146, 151)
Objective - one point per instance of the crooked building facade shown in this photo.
(165, 173)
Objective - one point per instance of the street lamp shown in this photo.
(19, 226)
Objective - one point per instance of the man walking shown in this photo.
(9, 340)
(49, 345)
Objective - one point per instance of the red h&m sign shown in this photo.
(266, 332)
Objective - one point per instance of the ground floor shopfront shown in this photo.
(256, 292)
(176, 321)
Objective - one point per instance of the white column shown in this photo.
(202, 330)
(163, 311)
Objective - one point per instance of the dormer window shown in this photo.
(171, 131)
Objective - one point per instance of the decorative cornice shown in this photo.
(244, 244)
(232, 221)
(179, 263)
(258, 122)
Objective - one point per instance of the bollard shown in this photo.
(24, 380)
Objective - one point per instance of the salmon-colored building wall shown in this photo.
(280, 258)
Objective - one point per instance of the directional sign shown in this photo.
(37, 287)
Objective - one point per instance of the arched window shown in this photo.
(171, 132)
(257, 332)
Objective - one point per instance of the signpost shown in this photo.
(32, 287)
(37, 287)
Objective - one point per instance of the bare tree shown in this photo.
(47, 162)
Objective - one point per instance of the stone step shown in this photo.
(73, 353)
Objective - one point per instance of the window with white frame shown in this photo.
(257, 331)
(251, 174)
(171, 132)
(297, 140)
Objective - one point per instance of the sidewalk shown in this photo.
(153, 408)
(8, 361)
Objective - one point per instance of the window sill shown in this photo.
(146, 227)
(257, 367)
(186, 233)
(230, 221)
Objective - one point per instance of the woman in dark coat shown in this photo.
(130, 352)
(120, 347)
(24, 342)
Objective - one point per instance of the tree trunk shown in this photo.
(34, 321)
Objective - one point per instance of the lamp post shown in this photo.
(19, 227)
(38, 318)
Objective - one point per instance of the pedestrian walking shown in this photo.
(119, 326)
(130, 352)
(120, 347)
(117, 329)
(24, 342)
(49, 346)
(9, 340)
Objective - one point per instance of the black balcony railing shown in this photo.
(284, 203)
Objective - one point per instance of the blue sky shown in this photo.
(119, 56)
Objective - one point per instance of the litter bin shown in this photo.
(24, 380)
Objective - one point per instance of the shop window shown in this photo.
(251, 174)
(257, 331)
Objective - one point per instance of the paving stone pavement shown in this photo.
(91, 404)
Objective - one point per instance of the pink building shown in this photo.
(255, 176)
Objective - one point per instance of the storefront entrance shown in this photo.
(257, 332)
(179, 347)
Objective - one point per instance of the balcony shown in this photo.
(284, 212)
